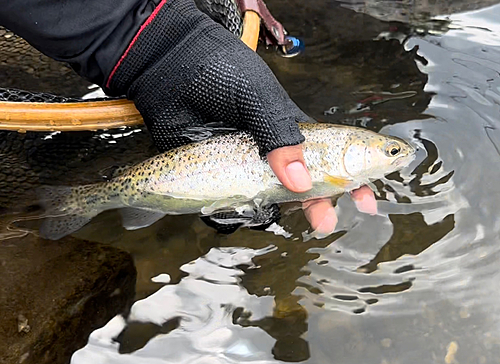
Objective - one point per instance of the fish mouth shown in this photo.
(405, 159)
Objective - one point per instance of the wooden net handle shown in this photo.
(92, 115)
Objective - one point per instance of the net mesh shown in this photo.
(22, 67)
(14, 95)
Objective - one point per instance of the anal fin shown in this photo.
(133, 219)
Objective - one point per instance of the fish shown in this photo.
(224, 173)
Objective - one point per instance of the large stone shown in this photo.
(54, 294)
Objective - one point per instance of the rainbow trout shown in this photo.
(224, 173)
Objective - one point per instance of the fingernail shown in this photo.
(329, 222)
(298, 176)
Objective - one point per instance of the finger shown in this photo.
(289, 166)
(364, 199)
(321, 215)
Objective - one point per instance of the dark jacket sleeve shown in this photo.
(90, 35)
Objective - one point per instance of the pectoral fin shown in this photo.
(340, 182)
(133, 219)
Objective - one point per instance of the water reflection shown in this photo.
(411, 235)
(192, 321)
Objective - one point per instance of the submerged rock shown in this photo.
(54, 294)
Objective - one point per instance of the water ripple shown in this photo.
(203, 304)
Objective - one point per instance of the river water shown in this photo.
(417, 283)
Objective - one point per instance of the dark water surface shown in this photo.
(417, 283)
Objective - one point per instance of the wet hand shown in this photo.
(289, 166)
(364, 199)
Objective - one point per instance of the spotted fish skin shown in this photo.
(226, 171)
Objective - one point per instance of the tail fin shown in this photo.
(64, 212)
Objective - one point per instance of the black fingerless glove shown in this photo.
(183, 71)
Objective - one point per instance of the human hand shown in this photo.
(289, 166)
(184, 71)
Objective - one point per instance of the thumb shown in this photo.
(289, 166)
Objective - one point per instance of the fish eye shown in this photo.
(392, 149)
